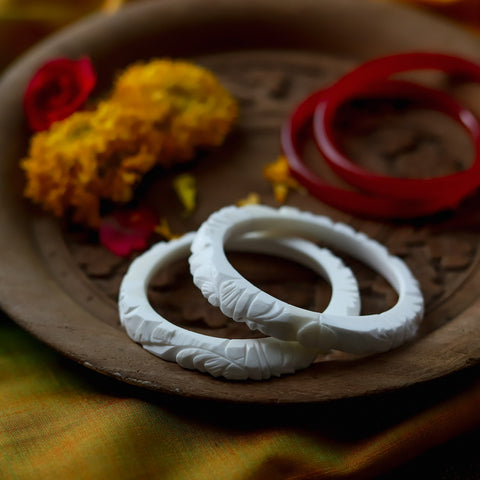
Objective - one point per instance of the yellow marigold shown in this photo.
(87, 157)
(158, 112)
(181, 98)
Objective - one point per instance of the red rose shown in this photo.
(58, 88)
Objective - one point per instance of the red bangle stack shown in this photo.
(383, 196)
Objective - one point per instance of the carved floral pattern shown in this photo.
(242, 301)
(231, 358)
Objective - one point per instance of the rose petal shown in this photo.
(126, 231)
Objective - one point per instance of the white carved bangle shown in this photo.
(235, 359)
(237, 298)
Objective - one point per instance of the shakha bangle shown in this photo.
(359, 202)
(371, 75)
(234, 359)
(237, 298)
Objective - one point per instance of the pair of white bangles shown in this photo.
(296, 336)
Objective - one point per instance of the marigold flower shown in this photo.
(182, 99)
(159, 112)
(88, 157)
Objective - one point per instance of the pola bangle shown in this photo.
(234, 359)
(371, 75)
(224, 287)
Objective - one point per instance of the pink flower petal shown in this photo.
(126, 231)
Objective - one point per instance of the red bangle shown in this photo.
(362, 203)
(450, 189)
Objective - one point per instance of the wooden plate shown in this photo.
(270, 54)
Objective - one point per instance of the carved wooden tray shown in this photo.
(62, 288)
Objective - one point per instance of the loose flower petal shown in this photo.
(251, 199)
(185, 187)
(278, 174)
(163, 229)
(126, 231)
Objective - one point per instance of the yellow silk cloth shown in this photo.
(61, 421)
